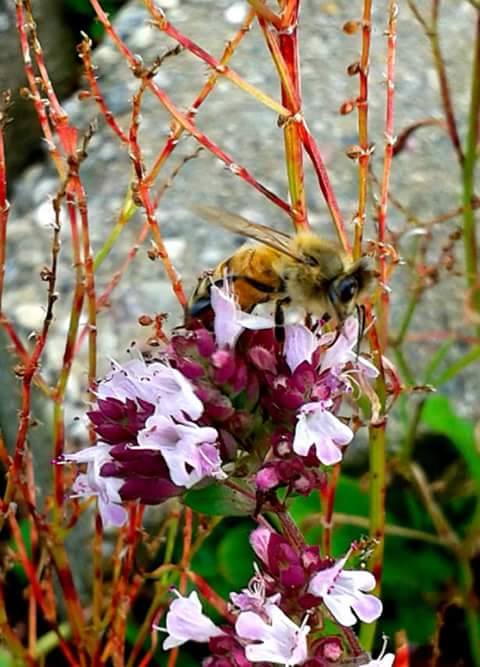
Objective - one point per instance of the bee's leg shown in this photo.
(280, 318)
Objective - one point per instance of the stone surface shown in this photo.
(425, 177)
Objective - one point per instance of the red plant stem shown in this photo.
(293, 146)
(187, 546)
(178, 130)
(22, 28)
(284, 51)
(211, 596)
(384, 303)
(104, 297)
(163, 24)
(36, 588)
(10, 638)
(34, 550)
(183, 119)
(30, 366)
(143, 192)
(325, 186)
(306, 138)
(85, 53)
(4, 205)
(262, 10)
(124, 589)
(362, 109)
(328, 497)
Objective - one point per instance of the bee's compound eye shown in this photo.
(347, 289)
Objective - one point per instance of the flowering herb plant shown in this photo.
(236, 409)
(228, 425)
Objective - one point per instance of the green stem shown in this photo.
(404, 366)
(407, 317)
(377, 449)
(408, 443)
(469, 232)
(129, 208)
(469, 358)
(471, 617)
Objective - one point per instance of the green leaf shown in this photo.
(236, 556)
(220, 500)
(438, 415)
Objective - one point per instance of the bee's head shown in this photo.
(344, 291)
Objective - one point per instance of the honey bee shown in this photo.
(304, 270)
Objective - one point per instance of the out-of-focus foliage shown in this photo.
(82, 17)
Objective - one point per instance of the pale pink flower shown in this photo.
(280, 641)
(343, 350)
(162, 386)
(187, 448)
(230, 321)
(343, 592)
(92, 483)
(300, 344)
(186, 622)
(319, 427)
(259, 541)
(254, 598)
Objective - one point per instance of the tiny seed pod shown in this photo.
(351, 27)
(353, 69)
(353, 152)
(145, 320)
(347, 107)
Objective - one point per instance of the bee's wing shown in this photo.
(235, 223)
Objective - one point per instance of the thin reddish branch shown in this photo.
(161, 22)
(178, 130)
(5, 101)
(36, 586)
(182, 118)
(142, 191)
(325, 185)
(362, 110)
(387, 165)
(24, 29)
(85, 54)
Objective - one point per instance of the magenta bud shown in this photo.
(149, 491)
(223, 362)
(263, 359)
(267, 478)
(292, 577)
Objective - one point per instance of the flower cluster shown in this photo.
(234, 399)
(151, 446)
(274, 620)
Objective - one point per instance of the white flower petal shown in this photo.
(342, 592)
(339, 610)
(230, 321)
(186, 622)
(300, 344)
(280, 642)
